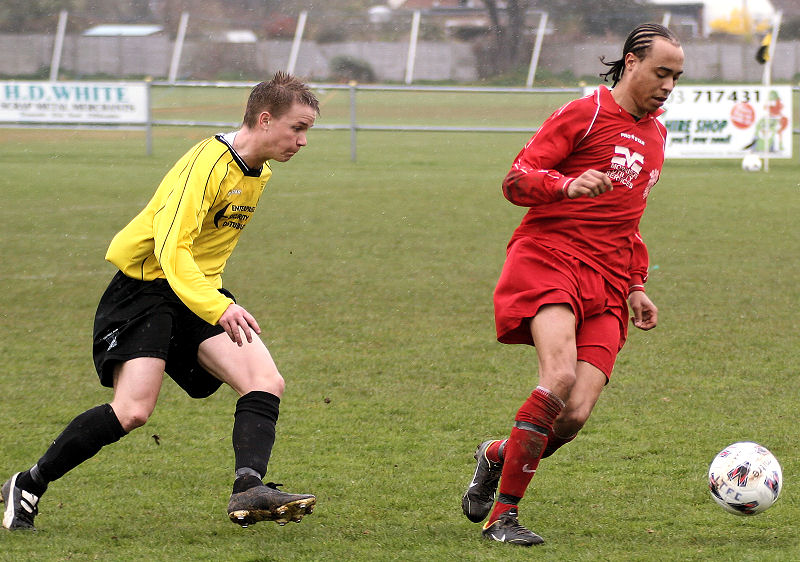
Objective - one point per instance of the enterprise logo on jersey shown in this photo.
(625, 166)
(237, 219)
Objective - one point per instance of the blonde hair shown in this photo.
(277, 96)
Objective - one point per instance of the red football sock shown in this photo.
(524, 447)
(494, 451)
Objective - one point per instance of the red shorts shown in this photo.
(534, 275)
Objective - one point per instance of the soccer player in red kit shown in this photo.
(572, 263)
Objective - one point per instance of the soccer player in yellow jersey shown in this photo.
(166, 311)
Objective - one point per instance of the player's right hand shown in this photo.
(236, 320)
(590, 183)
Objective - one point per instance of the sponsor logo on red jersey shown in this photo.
(625, 166)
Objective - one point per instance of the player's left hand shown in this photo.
(645, 313)
(235, 318)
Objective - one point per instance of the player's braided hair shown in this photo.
(638, 42)
(277, 96)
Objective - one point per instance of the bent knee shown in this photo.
(277, 383)
(131, 418)
(560, 381)
(269, 381)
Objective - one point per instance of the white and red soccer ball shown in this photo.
(745, 478)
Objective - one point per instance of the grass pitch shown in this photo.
(372, 283)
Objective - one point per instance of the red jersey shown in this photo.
(592, 132)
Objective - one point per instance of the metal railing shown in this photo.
(353, 125)
(351, 122)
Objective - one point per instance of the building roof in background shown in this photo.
(790, 8)
(722, 8)
(714, 10)
(123, 30)
(239, 36)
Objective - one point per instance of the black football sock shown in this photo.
(253, 436)
(26, 482)
(83, 437)
(31, 481)
(245, 479)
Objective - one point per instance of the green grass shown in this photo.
(372, 283)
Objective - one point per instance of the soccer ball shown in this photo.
(751, 163)
(745, 478)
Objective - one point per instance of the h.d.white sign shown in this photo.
(73, 102)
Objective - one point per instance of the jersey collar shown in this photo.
(227, 140)
(607, 102)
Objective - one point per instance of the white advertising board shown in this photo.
(73, 102)
(728, 121)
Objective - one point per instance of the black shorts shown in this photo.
(147, 319)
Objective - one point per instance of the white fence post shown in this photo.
(766, 77)
(353, 124)
(412, 47)
(537, 49)
(298, 38)
(766, 80)
(55, 62)
(149, 125)
(178, 49)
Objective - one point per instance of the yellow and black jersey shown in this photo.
(189, 228)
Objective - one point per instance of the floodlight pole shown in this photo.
(537, 49)
(55, 62)
(178, 48)
(412, 47)
(298, 38)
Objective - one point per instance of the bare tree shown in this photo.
(507, 29)
(510, 35)
(30, 15)
(602, 17)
